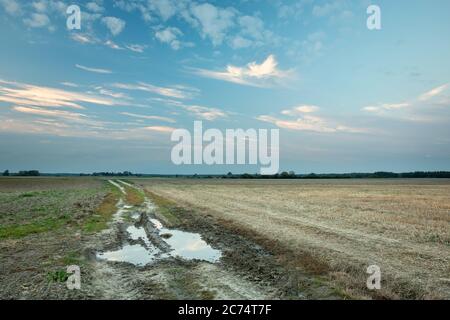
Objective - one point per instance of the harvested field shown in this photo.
(270, 239)
(41, 220)
(337, 228)
(20, 184)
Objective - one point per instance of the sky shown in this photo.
(108, 96)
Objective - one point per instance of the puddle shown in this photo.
(135, 215)
(138, 233)
(187, 245)
(190, 246)
(135, 254)
(176, 243)
(158, 225)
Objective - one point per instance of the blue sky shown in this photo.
(107, 97)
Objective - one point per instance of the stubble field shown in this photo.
(337, 228)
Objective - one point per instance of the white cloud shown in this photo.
(213, 21)
(433, 93)
(112, 94)
(113, 45)
(83, 38)
(11, 7)
(253, 74)
(206, 113)
(301, 119)
(252, 27)
(171, 92)
(69, 84)
(240, 42)
(136, 48)
(430, 106)
(164, 8)
(40, 6)
(170, 36)
(94, 7)
(300, 110)
(387, 106)
(36, 111)
(219, 24)
(37, 20)
(37, 96)
(160, 129)
(200, 112)
(307, 123)
(94, 70)
(252, 33)
(51, 113)
(146, 117)
(115, 25)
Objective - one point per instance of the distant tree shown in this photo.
(6, 173)
(30, 173)
(284, 175)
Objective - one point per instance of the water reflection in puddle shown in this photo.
(190, 246)
(182, 244)
(137, 234)
(135, 254)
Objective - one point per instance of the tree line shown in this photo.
(29, 173)
(282, 175)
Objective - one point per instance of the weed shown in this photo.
(103, 214)
(58, 276)
(166, 209)
(134, 196)
(19, 231)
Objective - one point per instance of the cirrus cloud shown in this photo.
(94, 70)
(301, 119)
(38, 96)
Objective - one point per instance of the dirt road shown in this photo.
(138, 258)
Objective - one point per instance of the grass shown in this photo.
(166, 210)
(54, 205)
(57, 205)
(72, 258)
(134, 196)
(19, 231)
(103, 214)
(58, 276)
(28, 195)
(46, 218)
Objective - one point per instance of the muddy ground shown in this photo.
(244, 271)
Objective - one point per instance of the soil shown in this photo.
(245, 270)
